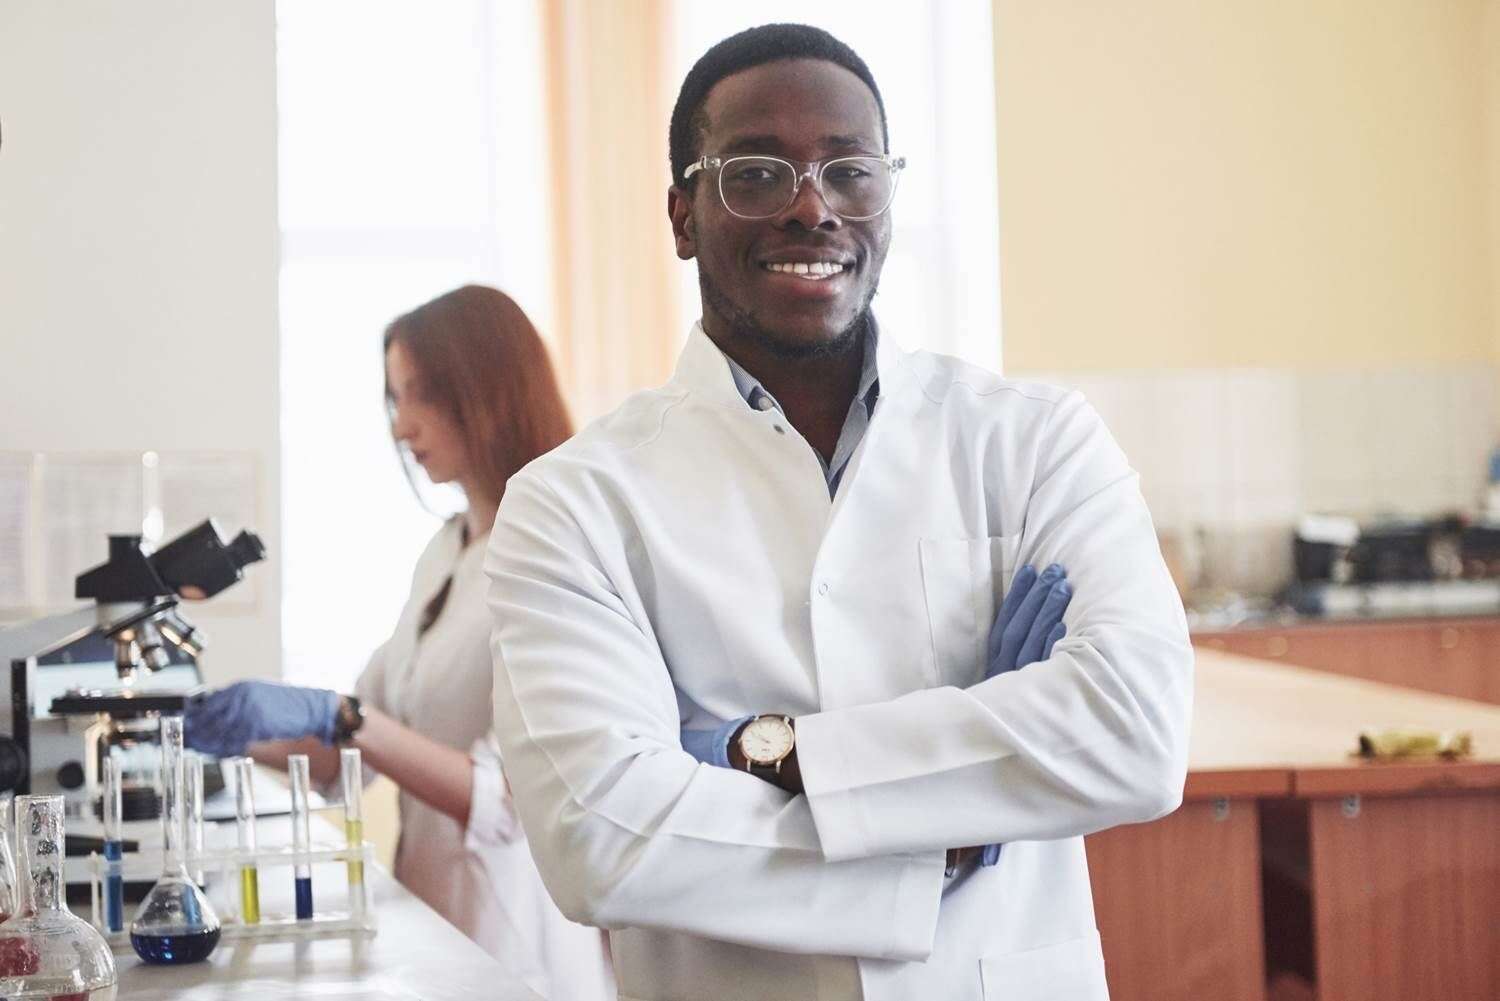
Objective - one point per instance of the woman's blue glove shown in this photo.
(225, 722)
(1028, 625)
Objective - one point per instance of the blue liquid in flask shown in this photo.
(186, 947)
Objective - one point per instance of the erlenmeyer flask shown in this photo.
(175, 923)
(45, 951)
(10, 889)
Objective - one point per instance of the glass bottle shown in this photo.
(45, 950)
(10, 888)
(175, 923)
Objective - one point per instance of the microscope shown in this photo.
(100, 676)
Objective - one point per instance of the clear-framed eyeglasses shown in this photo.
(854, 188)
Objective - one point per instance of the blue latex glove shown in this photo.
(224, 723)
(1027, 626)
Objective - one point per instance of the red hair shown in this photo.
(480, 359)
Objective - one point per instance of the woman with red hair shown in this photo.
(472, 398)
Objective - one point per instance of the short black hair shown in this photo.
(767, 43)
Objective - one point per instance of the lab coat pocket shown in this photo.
(963, 583)
(1068, 971)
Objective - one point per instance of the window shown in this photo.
(398, 136)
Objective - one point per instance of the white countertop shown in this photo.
(414, 956)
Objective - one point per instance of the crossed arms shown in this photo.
(628, 830)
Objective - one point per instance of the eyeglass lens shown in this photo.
(856, 187)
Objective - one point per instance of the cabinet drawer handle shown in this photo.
(1277, 646)
(1448, 638)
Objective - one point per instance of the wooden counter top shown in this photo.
(1262, 728)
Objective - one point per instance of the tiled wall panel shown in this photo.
(1232, 456)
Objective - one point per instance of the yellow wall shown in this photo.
(1297, 183)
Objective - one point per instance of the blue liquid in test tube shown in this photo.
(113, 815)
(297, 769)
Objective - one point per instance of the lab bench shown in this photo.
(1294, 870)
(414, 955)
(1457, 655)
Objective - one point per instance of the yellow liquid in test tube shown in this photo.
(250, 895)
(354, 836)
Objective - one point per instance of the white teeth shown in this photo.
(815, 270)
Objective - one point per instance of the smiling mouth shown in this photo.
(810, 270)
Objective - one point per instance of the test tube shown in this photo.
(113, 815)
(244, 820)
(193, 794)
(352, 773)
(301, 833)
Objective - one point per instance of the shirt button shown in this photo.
(764, 403)
(823, 588)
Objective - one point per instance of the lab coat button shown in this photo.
(823, 588)
(780, 429)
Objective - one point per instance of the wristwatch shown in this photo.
(766, 741)
(347, 720)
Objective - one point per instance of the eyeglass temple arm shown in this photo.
(702, 163)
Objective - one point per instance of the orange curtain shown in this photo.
(608, 101)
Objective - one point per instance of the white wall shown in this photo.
(138, 251)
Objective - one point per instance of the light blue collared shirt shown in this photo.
(712, 746)
(856, 422)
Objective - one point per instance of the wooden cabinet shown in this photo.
(1178, 905)
(1458, 656)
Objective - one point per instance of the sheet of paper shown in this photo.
(16, 522)
(84, 500)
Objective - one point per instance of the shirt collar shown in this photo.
(752, 392)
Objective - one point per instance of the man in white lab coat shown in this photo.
(809, 524)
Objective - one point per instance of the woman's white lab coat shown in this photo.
(680, 561)
(481, 879)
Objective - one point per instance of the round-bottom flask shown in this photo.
(10, 886)
(45, 950)
(175, 923)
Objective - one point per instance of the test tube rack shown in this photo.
(357, 920)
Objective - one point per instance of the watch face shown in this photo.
(766, 741)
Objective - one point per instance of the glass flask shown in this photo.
(175, 923)
(10, 888)
(46, 951)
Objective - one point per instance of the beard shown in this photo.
(745, 326)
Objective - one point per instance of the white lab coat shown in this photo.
(680, 561)
(481, 879)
